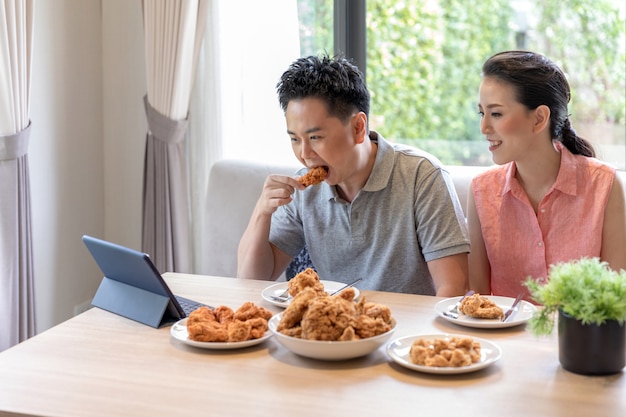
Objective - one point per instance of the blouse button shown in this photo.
(540, 244)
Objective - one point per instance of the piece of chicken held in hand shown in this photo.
(314, 176)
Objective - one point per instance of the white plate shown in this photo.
(329, 350)
(523, 314)
(179, 332)
(277, 289)
(398, 350)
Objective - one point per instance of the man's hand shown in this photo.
(277, 191)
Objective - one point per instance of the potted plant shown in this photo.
(590, 300)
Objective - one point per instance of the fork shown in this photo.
(453, 313)
(346, 286)
(284, 296)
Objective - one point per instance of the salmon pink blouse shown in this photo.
(568, 224)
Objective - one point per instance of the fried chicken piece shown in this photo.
(314, 176)
(296, 309)
(375, 310)
(305, 279)
(239, 331)
(480, 307)
(265, 313)
(439, 345)
(201, 314)
(249, 310)
(327, 318)
(207, 331)
(347, 294)
(360, 306)
(258, 327)
(436, 360)
(348, 334)
(418, 353)
(224, 314)
(460, 358)
(468, 344)
(295, 331)
(366, 326)
(203, 326)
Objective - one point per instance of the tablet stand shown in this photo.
(134, 303)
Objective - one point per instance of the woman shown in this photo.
(550, 200)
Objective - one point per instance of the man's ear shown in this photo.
(542, 118)
(359, 126)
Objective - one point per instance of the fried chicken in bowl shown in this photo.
(329, 350)
(331, 327)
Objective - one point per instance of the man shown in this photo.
(386, 213)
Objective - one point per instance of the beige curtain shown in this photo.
(205, 132)
(17, 305)
(234, 98)
(173, 31)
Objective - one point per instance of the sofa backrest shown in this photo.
(233, 189)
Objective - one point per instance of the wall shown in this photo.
(125, 127)
(86, 145)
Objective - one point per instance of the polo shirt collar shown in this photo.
(383, 165)
(381, 172)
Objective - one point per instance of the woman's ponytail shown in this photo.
(574, 143)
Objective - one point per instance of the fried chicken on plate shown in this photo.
(227, 325)
(480, 307)
(452, 352)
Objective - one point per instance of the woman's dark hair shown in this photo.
(538, 81)
(336, 81)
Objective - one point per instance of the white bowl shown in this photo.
(330, 351)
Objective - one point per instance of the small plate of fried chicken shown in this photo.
(273, 294)
(485, 311)
(443, 353)
(224, 328)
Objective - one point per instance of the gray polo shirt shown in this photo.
(407, 213)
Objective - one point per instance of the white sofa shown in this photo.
(234, 187)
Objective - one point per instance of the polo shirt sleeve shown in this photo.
(440, 223)
(286, 231)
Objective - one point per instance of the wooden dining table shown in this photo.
(102, 364)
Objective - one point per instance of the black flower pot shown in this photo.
(591, 349)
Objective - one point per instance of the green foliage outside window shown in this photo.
(588, 40)
(423, 62)
(316, 26)
(424, 59)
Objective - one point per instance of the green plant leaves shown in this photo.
(586, 289)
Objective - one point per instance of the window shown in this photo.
(252, 122)
(423, 63)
